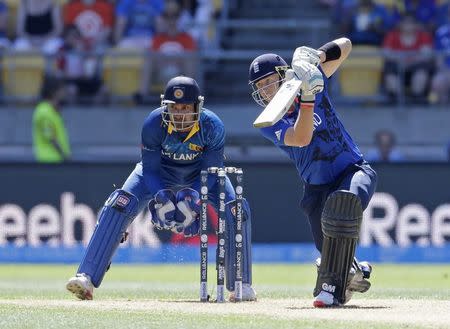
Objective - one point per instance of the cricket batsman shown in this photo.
(338, 182)
(179, 139)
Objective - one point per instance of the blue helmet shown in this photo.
(181, 90)
(261, 67)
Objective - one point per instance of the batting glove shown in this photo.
(312, 79)
(307, 54)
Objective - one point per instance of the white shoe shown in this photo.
(81, 286)
(325, 299)
(248, 293)
(357, 278)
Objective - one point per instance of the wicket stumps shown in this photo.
(221, 239)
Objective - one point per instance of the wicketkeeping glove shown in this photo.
(187, 213)
(162, 209)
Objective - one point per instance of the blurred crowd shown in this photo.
(414, 37)
(75, 34)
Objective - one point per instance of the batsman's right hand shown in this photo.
(312, 79)
(162, 208)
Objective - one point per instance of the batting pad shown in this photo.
(118, 212)
(230, 266)
(341, 221)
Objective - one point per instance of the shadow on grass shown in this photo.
(340, 307)
(211, 301)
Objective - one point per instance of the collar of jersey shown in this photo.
(192, 132)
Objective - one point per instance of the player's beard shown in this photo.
(181, 124)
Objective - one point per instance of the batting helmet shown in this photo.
(181, 90)
(261, 67)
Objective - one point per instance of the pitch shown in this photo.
(166, 296)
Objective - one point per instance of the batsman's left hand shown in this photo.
(307, 54)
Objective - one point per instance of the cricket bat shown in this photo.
(279, 105)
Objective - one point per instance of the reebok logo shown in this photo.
(278, 134)
(328, 287)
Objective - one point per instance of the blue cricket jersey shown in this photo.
(331, 149)
(173, 159)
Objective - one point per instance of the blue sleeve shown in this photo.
(151, 152)
(213, 153)
(123, 8)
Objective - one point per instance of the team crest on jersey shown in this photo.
(195, 147)
(178, 93)
(233, 210)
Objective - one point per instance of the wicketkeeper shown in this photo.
(179, 139)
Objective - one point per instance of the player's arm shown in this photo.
(213, 154)
(301, 133)
(312, 83)
(330, 56)
(333, 53)
(49, 131)
(59, 149)
(151, 153)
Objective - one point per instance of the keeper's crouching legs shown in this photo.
(117, 214)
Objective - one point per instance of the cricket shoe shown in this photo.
(357, 278)
(248, 294)
(325, 299)
(81, 286)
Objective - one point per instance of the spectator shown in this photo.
(79, 69)
(196, 17)
(4, 42)
(366, 24)
(440, 85)
(94, 19)
(171, 43)
(38, 26)
(408, 59)
(136, 22)
(385, 150)
(424, 11)
(342, 11)
(50, 141)
(443, 16)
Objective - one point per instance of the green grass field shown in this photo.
(165, 296)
